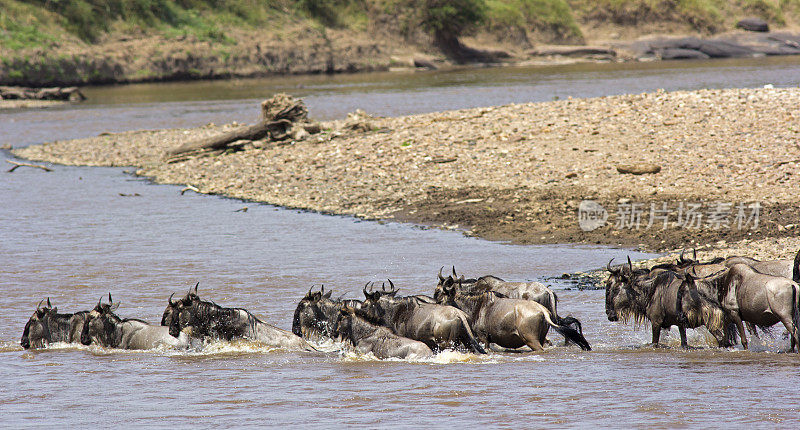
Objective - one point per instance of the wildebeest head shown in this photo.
(342, 327)
(101, 322)
(173, 306)
(308, 316)
(617, 293)
(376, 303)
(447, 288)
(37, 330)
(176, 314)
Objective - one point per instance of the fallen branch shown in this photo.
(18, 164)
(275, 129)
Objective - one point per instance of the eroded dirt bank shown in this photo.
(520, 172)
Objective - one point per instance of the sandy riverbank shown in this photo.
(519, 172)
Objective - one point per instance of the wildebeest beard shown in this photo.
(640, 288)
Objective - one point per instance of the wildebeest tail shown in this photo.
(468, 337)
(572, 323)
(796, 268)
(569, 333)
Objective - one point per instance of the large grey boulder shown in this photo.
(753, 24)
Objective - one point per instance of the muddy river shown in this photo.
(77, 233)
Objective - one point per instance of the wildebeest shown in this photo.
(316, 313)
(106, 329)
(209, 319)
(757, 298)
(380, 341)
(509, 323)
(535, 291)
(782, 268)
(439, 327)
(47, 326)
(661, 297)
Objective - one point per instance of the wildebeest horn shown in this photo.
(454, 272)
(48, 303)
(391, 284)
(322, 290)
(383, 287)
(608, 266)
(39, 306)
(680, 258)
(365, 290)
(195, 287)
(308, 294)
(109, 298)
(630, 265)
(441, 278)
(170, 299)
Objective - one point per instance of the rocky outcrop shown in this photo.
(730, 45)
(72, 94)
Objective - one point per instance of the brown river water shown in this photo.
(70, 235)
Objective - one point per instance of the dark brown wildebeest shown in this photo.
(509, 323)
(757, 298)
(106, 329)
(378, 340)
(316, 313)
(661, 297)
(209, 319)
(439, 327)
(47, 326)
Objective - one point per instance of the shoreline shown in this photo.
(159, 59)
(517, 173)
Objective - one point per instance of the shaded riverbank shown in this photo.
(518, 172)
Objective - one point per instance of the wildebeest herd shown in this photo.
(723, 295)
(471, 315)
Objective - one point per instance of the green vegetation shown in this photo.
(81, 41)
(544, 16)
(41, 23)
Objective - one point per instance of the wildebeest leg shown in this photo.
(531, 338)
(656, 334)
(752, 329)
(738, 320)
(684, 342)
(792, 329)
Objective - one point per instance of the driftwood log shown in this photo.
(252, 132)
(279, 114)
